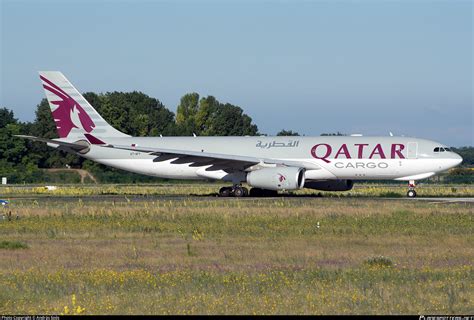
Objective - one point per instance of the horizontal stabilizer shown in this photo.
(72, 145)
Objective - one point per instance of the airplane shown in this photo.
(268, 164)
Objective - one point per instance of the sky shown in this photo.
(365, 67)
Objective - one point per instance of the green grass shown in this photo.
(390, 194)
(224, 218)
(196, 255)
(12, 245)
(210, 189)
(311, 291)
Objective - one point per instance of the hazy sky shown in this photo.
(365, 67)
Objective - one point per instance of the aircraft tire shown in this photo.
(238, 192)
(224, 192)
(411, 194)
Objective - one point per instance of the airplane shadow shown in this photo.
(286, 195)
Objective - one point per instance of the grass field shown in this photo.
(210, 189)
(205, 255)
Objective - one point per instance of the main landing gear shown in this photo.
(238, 191)
(234, 191)
(411, 189)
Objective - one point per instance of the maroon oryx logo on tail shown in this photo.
(69, 114)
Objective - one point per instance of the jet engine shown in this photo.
(330, 185)
(277, 178)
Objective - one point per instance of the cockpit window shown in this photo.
(441, 149)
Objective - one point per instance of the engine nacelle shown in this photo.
(277, 178)
(330, 185)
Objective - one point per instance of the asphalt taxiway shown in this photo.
(212, 197)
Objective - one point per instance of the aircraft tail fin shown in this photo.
(72, 113)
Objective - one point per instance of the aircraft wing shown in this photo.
(74, 146)
(217, 161)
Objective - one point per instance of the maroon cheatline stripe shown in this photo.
(53, 85)
(59, 94)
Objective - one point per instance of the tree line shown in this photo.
(134, 113)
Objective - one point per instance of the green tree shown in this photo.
(467, 154)
(6, 117)
(44, 125)
(206, 114)
(186, 114)
(216, 119)
(333, 134)
(15, 161)
(12, 149)
(287, 133)
(135, 113)
(230, 121)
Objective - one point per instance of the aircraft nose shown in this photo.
(458, 159)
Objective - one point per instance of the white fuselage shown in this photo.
(355, 158)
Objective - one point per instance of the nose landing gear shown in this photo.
(411, 189)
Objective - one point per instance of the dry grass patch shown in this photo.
(265, 256)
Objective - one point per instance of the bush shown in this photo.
(379, 261)
(12, 245)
